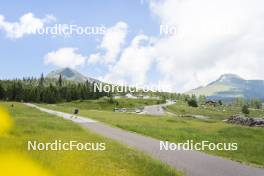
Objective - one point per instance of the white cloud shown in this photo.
(27, 24)
(65, 57)
(111, 44)
(134, 63)
(216, 37)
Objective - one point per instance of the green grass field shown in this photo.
(218, 112)
(103, 103)
(175, 129)
(31, 124)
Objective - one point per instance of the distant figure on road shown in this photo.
(76, 111)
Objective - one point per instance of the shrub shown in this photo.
(245, 110)
(193, 103)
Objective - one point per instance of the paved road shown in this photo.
(192, 163)
(156, 109)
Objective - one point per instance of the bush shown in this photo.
(245, 110)
(193, 103)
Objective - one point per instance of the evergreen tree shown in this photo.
(2, 92)
(35, 90)
(50, 94)
(41, 80)
(41, 88)
(60, 81)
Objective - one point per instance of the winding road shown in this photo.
(192, 163)
(156, 109)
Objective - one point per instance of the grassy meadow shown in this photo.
(179, 129)
(117, 159)
(218, 112)
(104, 104)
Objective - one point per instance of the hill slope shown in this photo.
(230, 86)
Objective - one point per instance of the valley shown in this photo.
(117, 119)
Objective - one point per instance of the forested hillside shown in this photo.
(46, 90)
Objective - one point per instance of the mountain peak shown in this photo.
(69, 74)
(230, 86)
(229, 78)
(230, 75)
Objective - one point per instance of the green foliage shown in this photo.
(202, 99)
(47, 91)
(255, 103)
(2, 92)
(239, 102)
(218, 112)
(60, 81)
(41, 80)
(193, 102)
(105, 104)
(111, 100)
(245, 109)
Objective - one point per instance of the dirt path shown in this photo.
(192, 163)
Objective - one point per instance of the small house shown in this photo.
(211, 103)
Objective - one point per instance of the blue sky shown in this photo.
(212, 37)
(24, 56)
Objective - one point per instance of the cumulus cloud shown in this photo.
(214, 37)
(110, 47)
(111, 44)
(27, 24)
(135, 61)
(65, 57)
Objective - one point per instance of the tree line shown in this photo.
(46, 91)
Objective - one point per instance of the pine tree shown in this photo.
(41, 88)
(41, 80)
(2, 92)
(35, 90)
(60, 81)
